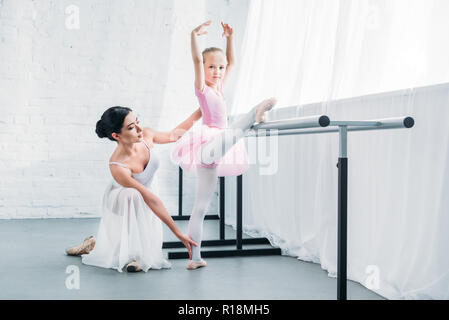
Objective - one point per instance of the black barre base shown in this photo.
(207, 217)
(210, 243)
(228, 253)
(238, 242)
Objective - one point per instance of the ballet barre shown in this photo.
(296, 126)
(363, 125)
(342, 127)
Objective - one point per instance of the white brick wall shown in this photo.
(56, 82)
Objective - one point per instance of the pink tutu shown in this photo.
(233, 163)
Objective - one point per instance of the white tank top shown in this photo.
(146, 176)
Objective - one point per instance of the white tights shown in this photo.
(207, 177)
(205, 188)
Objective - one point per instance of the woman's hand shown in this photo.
(201, 29)
(188, 243)
(227, 30)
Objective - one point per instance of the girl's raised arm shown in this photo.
(228, 32)
(197, 56)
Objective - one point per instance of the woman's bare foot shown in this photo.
(196, 264)
(84, 248)
(263, 107)
(133, 267)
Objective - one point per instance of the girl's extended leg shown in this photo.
(205, 188)
(216, 148)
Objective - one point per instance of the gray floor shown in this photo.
(33, 266)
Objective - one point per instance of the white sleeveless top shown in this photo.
(146, 176)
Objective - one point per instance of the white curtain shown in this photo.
(339, 58)
(305, 51)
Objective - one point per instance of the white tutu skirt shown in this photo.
(128, 231)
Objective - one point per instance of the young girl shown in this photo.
(214, 150)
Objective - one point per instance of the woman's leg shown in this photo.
(205, 187)
(216, 148)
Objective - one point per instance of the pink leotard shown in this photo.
(213, 107)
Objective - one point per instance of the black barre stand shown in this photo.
(294, 127)
(238, 241)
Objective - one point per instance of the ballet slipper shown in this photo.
(133, 267)
(263, 107)
(196, 264)
(84, 248)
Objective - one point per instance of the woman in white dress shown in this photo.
(130, 231)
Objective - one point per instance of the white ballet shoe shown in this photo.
(263, 107)
(133, 267)
(196, 264)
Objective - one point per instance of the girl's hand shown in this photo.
(227, 30)
(201, 29)
(188, 243)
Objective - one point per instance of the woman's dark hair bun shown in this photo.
(111, 121)
(99, 130)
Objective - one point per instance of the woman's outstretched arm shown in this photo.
(124, 178)
(176, 133)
